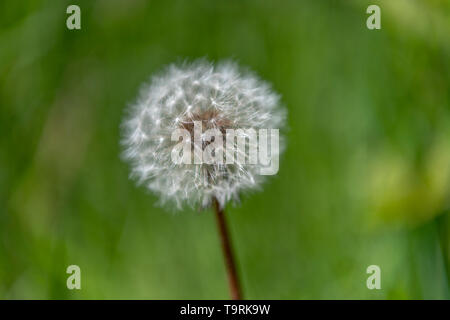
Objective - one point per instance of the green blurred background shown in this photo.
(365, 178)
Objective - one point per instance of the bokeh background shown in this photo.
(365, 178)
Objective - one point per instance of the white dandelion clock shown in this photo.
(216, 97)
(190, 111)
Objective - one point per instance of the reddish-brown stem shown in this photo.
(233, 279)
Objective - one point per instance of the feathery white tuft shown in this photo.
(221, 97)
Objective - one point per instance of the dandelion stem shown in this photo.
(233, 279)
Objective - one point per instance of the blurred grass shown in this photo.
(364, 180)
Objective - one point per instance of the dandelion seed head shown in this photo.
(219, 97)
